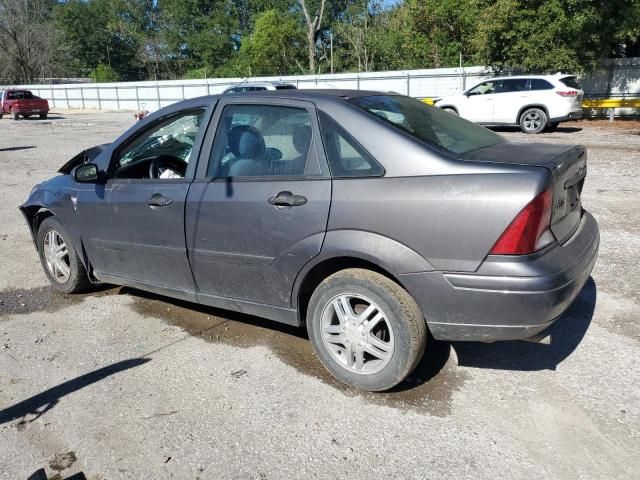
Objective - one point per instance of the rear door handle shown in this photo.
(287, 199)
(158, 200)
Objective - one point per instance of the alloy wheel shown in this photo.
(357, 333)
(532, 121)
(56, 255)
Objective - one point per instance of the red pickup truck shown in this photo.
(17, 102)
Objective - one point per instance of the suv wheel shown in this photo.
(366, 329)
(60, 259)
(533, 120)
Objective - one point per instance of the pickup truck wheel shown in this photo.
(366, 329)
(533, 120)
(15, 115)
(43, 116)
(60, 259)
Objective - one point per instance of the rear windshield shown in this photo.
(571, 82)
(19, 95)
(428, 124)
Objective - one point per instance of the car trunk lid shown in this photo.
(568, 167)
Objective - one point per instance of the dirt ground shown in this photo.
(123, 384)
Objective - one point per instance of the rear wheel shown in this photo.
(366, 329)
(60, 259)
(15, 115)
(43, 116)
(533, 120)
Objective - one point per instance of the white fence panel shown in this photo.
(618, 77)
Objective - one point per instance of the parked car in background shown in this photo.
(368, 217)
(17, 102)
(258, 87)
(534, 102)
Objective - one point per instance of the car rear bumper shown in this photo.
(573, 115)
(509, 297)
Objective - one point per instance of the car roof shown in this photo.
(546, 77)
(302, 94)
(259, 84)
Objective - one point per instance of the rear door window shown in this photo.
(261, 141)
(513, 85)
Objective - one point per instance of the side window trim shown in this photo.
(316, 168)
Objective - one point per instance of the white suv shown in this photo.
(534, 102)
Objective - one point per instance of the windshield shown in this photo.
(428, 124)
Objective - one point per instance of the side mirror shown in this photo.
(87, 173)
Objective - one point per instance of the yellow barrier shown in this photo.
(611, 103)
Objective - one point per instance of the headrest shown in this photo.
(251, 145)
(302, 139)
(234, 138)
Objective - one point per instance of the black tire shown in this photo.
(78, 279)
(552, 127)
(400, 313)
(533, 120)
(26, 117)
(450, 110)
(15, 115)
(43, 116)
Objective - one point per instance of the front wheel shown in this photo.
(533, 120)
(366, 329)
(60, 259)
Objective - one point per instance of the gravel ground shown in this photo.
(123, 384)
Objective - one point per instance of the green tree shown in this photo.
(275, 47)
(104, 73)
(99, 31)
(439, 31)
(549, 35)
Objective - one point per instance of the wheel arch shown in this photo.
(449, 107)
(35, 215)
(324, 268)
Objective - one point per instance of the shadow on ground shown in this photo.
(15, 149)
(560, 129)
(41, 403)
(566, 334)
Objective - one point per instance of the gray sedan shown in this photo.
(370, 218)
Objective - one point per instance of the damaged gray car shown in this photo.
(370, 218)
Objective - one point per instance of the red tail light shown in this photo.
(529, 231)
(568, 93)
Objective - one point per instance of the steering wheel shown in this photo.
(160, 164)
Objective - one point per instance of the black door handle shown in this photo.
(287, 199)
(158, 200)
